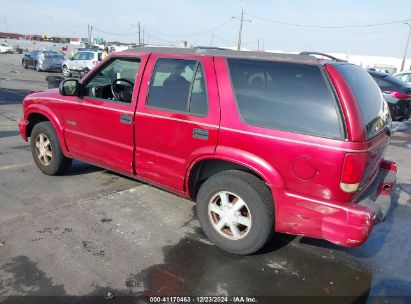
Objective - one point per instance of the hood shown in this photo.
(47, 93)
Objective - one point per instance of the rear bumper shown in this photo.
(23, 123)
(347, 224)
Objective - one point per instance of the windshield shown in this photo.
(373, 107)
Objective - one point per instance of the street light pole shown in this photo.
(406, 46)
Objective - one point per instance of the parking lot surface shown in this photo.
(92, 231)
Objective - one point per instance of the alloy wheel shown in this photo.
(229, 215)
(43, 149)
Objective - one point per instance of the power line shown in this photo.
(192, 34)
(114, 34)
(326, 26)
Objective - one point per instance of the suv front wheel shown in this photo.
(236, 211)
(46, 150)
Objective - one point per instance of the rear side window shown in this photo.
(178, 85)
(373, 108)
(286, 96)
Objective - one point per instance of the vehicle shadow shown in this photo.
(193, 267)
(80, 168)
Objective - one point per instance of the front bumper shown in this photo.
(23, 123)
(345, 224)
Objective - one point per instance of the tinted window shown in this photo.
(178, 85)
(373, 108)
(285, 96)
(385, 84)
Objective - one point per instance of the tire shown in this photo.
(258, 212)
(66, 71)
(49, 158)
(36, 67)
(24, 64)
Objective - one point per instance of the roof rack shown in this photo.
(215, 51)
(324, 55)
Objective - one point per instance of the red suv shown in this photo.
(262, 142)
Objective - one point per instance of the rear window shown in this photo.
(52, 55)
(373, 108)
(286, 96)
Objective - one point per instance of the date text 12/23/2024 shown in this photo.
(203, 299)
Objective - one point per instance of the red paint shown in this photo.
(303, 171)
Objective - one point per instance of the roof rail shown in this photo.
(324, 55)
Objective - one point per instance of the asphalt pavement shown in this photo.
(93, 231)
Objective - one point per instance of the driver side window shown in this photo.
(114, 81)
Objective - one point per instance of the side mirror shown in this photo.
(70, 87)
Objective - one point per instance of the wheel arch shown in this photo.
(39, 113)
(204, 167)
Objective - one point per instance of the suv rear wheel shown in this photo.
(46, 150)
(236, 211)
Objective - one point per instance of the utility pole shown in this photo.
(406, 46)
(258, 44)
(91, 33)
(212, 39)
(241, 29)
(139, 37)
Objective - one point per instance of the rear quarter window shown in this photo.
(285, 96)
(367, 93)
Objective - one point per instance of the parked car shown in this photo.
(396, 92)
(43, 60)
(262, 142)
(5, 48)
(82, 61)
(404, 76)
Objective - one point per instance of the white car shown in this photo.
(5, 48)
(82, 61)
(404, 76)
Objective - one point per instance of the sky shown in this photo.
(205, 22)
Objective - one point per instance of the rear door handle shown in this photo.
(200, 133)
(126, 119)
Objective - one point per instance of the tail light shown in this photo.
(398, 94)
(353, 170)
(95, 62)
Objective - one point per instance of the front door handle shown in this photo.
(200, 133)
(126, 119)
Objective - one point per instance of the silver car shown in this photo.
(82, 61)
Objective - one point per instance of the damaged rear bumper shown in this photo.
(347, 224)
